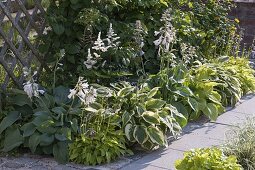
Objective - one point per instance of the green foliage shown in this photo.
(76, 25)
(241, 143)
(98, 147)
(45, 125)
(206, 25)
(145, 118)
(101, 139)
(210, 158)
(191, 95)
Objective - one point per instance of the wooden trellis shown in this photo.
(19, 25)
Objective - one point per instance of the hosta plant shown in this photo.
(192, 96)
(44, 124)
(207, 158)
(146, 118)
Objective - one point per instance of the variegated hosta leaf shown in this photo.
(156, 135)
(140, 134)
(153, 104)
(151, 117)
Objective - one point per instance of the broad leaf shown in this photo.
(34, 141)
(9, 120)
(126, 117)
(154, 104)
(140, 134)
(156, 135)
(211, 111)
(46, 139)
(153, 92)
(28, 129)
(60, 94)
(128, 131)
(60, 152)
(151, 117)
(125, 91)
(12, 139)
(193, 103)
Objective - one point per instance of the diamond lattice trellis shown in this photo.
(20, 23)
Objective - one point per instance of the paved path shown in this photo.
(195, 135)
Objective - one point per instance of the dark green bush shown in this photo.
(76, 23)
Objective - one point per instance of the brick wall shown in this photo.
(245, 12)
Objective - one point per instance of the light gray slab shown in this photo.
(233, 118)
(247, 105)
(157, 160)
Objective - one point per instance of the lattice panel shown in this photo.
(19, 25)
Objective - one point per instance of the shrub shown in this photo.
(76, 24)
(241, 143)
(210, 158)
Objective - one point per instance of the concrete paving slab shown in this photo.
(157, 160)
(247, 105)
(233, 118)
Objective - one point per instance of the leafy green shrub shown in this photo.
(191, 95)
(45, 124)
(97, 147)
(76, 24)
(241, 143)
(210, 158)
(145, 118)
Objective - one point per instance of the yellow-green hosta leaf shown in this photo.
(211, 111)
(153, 92)
(151, 117)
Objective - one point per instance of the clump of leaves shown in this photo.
(98, 147)
(241, 143)
(208, 158)
(146, 119)
(45, 124)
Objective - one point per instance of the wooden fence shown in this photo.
(20, 24)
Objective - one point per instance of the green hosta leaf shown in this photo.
(34, 141)
(154, 104)
(211, 111)
(60, 94)
(39, 120)
(215, 97)
(58, 110)
(140, 134)
(125, 91)
(9, 120)
(128, 131)
(60, 152)
(28, 129)
(183, 91)
(58, 28)
(202, 104)
(156, 135)
(151, 117)
(12, 139)
(193, 103)
(126, 117)
(21, 100)
(46, 139)
(153, 92)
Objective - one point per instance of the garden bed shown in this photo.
(121, 83)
